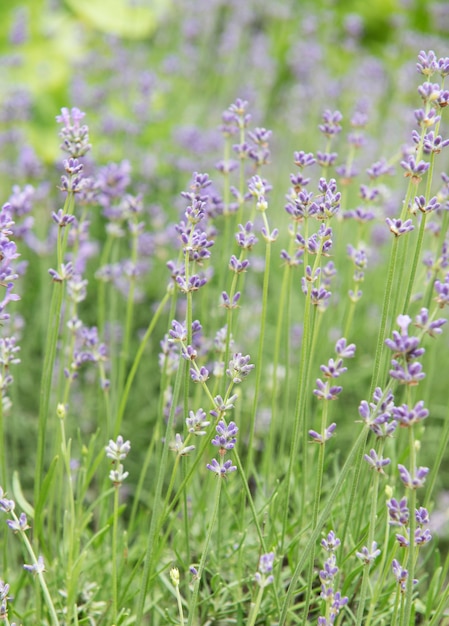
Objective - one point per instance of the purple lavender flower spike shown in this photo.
(197, 422)
(221, 407)
(442, 291)
(21, 525)
(303, 159)
(333, 369)
(368, 556)
(74, 135)
(245, 238)
(331, 543)
(36, 568)
(225, 439)
(229, 303)
(221, 470)
(376, 462)
(239, 367)
(408, 374)
(398, 512)
(422, 536)
(398, 227)
(401, 575)
(345, 350)
(179, 446)
(324, 391)
(331, 123)
(427, 63)
(178, 332)
(264, 576)
(199, 376)
(329, 431)
(416, 481)
(408, 417)
(422, 516)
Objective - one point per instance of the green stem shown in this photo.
(139, 354)
(194, 598)
(316, 507)
(155, 518)
(114, 557)
(259, 363)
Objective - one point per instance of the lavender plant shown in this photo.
(169, 305)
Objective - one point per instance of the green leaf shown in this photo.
(19, 497)
(133, 20)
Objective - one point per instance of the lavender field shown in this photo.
(224, 294)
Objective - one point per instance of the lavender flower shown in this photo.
(221, 470)
(417, 480)
(200, 375)
(427, 63)
(225, 439)
(328, 432)
(368, 556)
(239, 367)
(403, 345)
(4, 597)
(179, 446)
(222, 406)
(324, 391)
(6, 505)
(245, 238)
(431, 327)
(74, 135)
(117, 475)
(264, 576)
(197, 422)
(442, 291)
(18, 525)
(376, 462)
(398, 227)
(398, 512)
(334, 600)
(331, 123)
(377, 415)
(118, 450)
(36, 568)
(408, 417)
(401, 575)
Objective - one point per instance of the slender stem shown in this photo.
(155, 518)
(114, 557)
(137, 359)
(255, 609)
(259, 364)
(196, 587)
(316, 507)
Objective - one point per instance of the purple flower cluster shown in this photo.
(406, 351)
(264, 576)
(325, 390)
(399, 515)
(194, 237)
(333, 599)
(378, 414)
(117, 451)
(225, 441)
